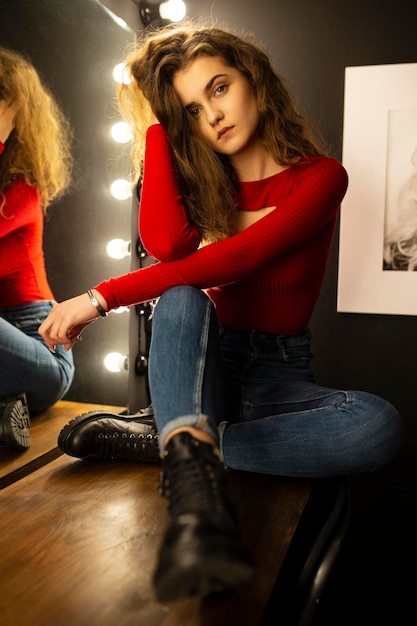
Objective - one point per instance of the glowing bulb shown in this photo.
(121, 189)
(118, 248)
(121, 74)
(116, 362)
(173, 10)
(121, 132)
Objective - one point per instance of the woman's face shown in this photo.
(222, 104)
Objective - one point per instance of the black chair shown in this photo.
(311, 556)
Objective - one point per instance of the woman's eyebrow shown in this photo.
(206, 88)
(211, 81)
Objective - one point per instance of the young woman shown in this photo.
(239, 207)
(35, 166)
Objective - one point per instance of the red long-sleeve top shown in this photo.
(22, 265)
(267, 277)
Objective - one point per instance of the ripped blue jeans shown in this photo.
(255, 393)
(26, 364)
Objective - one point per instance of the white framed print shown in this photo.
(378, 219)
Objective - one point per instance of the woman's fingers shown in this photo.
(66, 321)
(74, 334)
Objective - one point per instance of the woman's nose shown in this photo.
(214, 116)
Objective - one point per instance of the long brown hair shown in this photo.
(38, 148)
(206, 179)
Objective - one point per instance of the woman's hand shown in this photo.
(7, 115)
(67, 320)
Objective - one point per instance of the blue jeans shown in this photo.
(26, 364)
(255, 393)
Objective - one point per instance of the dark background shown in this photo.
(75, 43)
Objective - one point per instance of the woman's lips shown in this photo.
(224, 132)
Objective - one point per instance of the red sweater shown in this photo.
(22, 265)
(268, 277)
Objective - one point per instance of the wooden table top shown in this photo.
(79, 539)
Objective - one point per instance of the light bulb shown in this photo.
(118, 248)
(121, 189)
(121, 74)
(116, 362)
(173, 10)
(121, 132)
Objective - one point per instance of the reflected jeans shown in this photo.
(255, 393)
(26, 364)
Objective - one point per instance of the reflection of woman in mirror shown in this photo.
(400, 247)
(239, 206)
(35, 166)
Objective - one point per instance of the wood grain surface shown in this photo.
(79, 543)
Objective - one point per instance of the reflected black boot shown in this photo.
(14, 422)
(105, 436)
(202, 552)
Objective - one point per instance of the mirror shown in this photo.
(75, 46)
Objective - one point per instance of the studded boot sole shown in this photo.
(15, 422)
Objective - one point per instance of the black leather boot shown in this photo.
(202, 551)
(101, 435)
(14, 422)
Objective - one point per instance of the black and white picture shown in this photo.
(400, 230)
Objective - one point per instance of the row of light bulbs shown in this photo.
(121, 189)
(121, 132)
(174, 11)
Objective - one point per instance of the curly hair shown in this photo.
(210, 199)
(400, 245)
(38, 148)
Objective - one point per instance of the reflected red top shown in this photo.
(22, 265)
(268, 277)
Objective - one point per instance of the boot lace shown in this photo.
(194, 485)
(129, 447)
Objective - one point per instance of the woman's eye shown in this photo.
(220, 90)
(195, 112)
